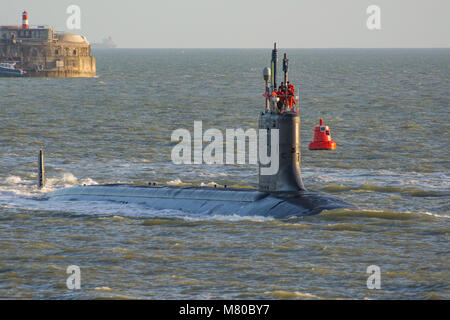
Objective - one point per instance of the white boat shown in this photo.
(9, 69)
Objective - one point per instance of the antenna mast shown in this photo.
(274, 66)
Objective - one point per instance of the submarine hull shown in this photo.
(208, 200)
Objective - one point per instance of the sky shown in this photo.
(244, 23)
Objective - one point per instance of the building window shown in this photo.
(74, 52)
(56, 52)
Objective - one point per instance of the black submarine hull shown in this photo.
(208, 200)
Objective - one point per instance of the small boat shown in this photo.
(8, 69)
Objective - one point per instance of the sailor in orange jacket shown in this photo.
(290, 86)
(291, 94)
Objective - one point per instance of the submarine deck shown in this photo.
(208, 200)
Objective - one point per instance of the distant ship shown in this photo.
(107, 43)
(8, 69)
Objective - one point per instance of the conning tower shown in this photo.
(283, 116)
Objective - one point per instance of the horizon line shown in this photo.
(265, 48)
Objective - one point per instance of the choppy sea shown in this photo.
(388, 110)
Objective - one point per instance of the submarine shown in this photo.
(280, 194)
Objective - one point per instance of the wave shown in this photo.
(383, 177)
(380, 214)
(368, 187)
(281, 294)
(18, 186)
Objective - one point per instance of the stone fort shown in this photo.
(41, 52)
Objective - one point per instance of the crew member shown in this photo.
(290, 86)
(290, 96)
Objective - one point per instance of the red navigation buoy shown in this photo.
(322, 138)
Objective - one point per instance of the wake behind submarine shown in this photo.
(280, 195)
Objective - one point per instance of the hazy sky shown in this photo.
(244, 23)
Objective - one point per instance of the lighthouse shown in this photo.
(25, 20)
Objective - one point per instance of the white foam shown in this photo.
(213, 174)
(88, 182)
(436, 215)
(13, 180)
(233, 217)
(16, 187)
(69, 178)
(210, 184)
(175, 182)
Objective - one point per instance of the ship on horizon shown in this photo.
(107, 43)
